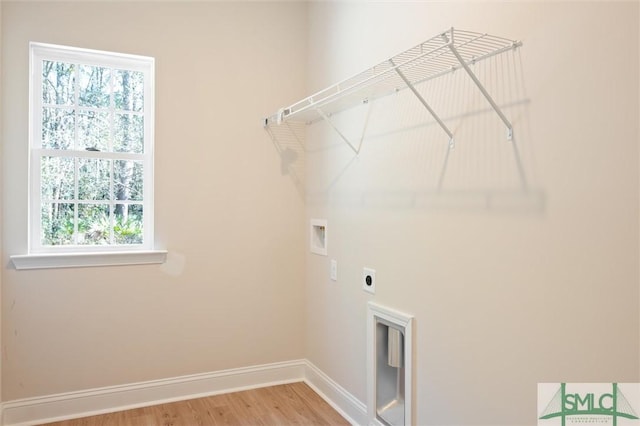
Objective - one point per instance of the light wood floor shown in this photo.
(291, 404)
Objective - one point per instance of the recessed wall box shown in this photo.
(318, 237)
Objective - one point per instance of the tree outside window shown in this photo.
(91, 149)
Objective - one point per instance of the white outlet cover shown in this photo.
(369, 280)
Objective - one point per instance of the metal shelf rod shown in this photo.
(424, 102)
(333, 126)
(484, 92)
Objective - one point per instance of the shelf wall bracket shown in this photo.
(424, 103)
(326, 118)
(477, 82)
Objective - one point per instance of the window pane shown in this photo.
(93, 130)
(57, 128)
(127, 227)
(129, 90)
(56, 181)
(58, 81)
(95, 86)
(129, 135)
(93, 224)
(57, 224)
(94, 177)
(128, 180)
(87, 149)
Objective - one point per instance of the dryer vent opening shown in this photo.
(389, 366)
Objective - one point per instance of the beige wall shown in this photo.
(1, 191)
(532, 287)
(233, 224)
(525, 287)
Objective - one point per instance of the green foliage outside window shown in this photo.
(89, 198)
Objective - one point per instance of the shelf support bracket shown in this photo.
(342, 136)
(484, 92)
(424, 102)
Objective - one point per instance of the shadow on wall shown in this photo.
(406, 159)
(288, 139)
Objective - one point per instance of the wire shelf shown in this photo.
(442, 54)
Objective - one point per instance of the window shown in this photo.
(91, 151)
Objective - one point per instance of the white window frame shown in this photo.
(40, 256)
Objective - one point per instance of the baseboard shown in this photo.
(32, 411)
(350, 407)
(70, 405)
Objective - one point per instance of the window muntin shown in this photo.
(91, 144)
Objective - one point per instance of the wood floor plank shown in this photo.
(248, 403)
(289, 404)
(303, 410)
(307, 397)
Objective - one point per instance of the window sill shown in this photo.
(83, 260)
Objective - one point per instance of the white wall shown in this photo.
(233, 224)
(535, 287)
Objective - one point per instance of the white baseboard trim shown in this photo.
(116, 398)
(350, 407)
(32, 411)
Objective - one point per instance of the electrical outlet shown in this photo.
(334, 270)
(369, 280)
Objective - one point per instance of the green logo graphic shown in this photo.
(614, 405)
